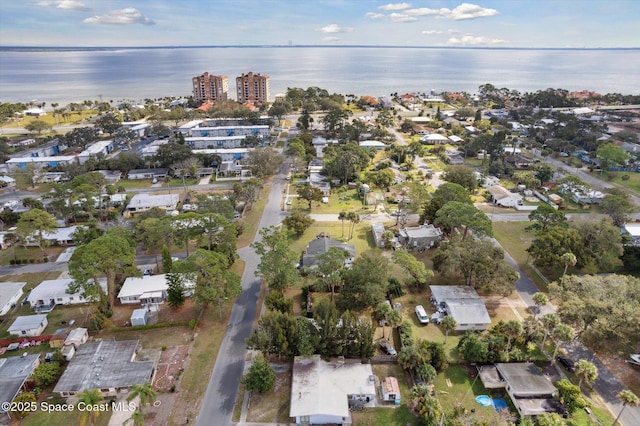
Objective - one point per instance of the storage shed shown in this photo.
(391, 390)
(139, 317)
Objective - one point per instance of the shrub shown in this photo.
(276, 301)
(192, 324)
(261, 376)
(164, 348)
(625, 177)
(32, 260)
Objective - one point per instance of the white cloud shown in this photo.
(469, 11)
(469, 40)
(372, 15)
(460, 12)
(334, 28)
(433, 32)
(401, 17)
(395, 6)
(65, 4)
(127, 16)
(330, 39)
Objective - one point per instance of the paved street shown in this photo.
(218, 402)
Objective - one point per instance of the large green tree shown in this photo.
(618, 206)
(462, 175)
(545, 216)
(263, 162)
(261, 376)
(418, 273)
(445, 193)
(298, 222)
(310, 193)
(611, 155)
(33, 225)
(455, 214)
(108, 255)
(277, 259)
(365, 284)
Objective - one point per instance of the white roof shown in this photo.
(321, 388)
(376, 144)
(7, 179)
(214, 138)
(434, 137)
(58, 158)
(76, 335)
(96, 148)
(8, 290)
(468, 311)
(222, 151)
(137, 286)
(60, 234)
(190, 125)
(27, 322)
(633, 229)
(454, 138)
(145, 200)
(53, 289)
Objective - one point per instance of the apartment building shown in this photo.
(209, 88)
(253, 88)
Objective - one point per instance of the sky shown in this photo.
(495, 23)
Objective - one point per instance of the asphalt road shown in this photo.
(220, 397)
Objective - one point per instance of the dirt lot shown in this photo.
(274, 406)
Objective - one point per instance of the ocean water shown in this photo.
(64, 76)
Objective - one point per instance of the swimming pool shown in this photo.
(484, 400)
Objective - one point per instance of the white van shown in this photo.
(422, 315)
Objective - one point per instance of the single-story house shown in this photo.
(34, 112)
(14, 372)
(112, 176)
(10, 293)
(322, 391)
(633, 231)
(391, 390)
(502, 197)
(518, 161)
(454, 158)
(29, 325)
(142, 202)
(456, 139)
(530, 391)
(421, 237)
(149, 289)
(96, 150)
(377, 145)
(77, 337)
(463, 304)
(588, 197)
(136, 174)
(7, 182)
(434, 139)
(107, 365)
(50, 293)
(59, 236)
(322, 245)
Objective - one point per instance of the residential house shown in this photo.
(49, 293)
(455, 139)
(463, 304)
(530, 391)
(136, 174)
(434, 139)
(231, 154)
(10, 293)
(588, 196)
(148, 290)
(518, 161)
(7, 182)
(320, 143)
(28, 325)
(14, 372)
(377, 229)
(142, 202)
(375, 145)
(502, 197)
(96, 150)
(421, 237)
(321, 391)
(59, 236)
(322, 245)
(454, 157)
(633, 231)
(111, 176)
(107, 365)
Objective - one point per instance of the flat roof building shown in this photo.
(14, 372)
(209, 88)
(463, 304)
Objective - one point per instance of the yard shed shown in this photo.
(391, 390)
(77, 337)
(139, 317)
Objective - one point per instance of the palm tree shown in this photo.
(144, 392)
(562, 333)
(354, 218)
(568, 259)
(448, 325)
(512, 329)
(90, 398)
(550, 322)
(342, 216)
(628, 398)
(540, 299)
(136, 419)
(586, 370)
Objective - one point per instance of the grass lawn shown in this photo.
(44, 418)
(273, 406)
(338, 201)
(387, 416)
(50, 119)
(251, 219)
(135, 183)
(514, 238)
(633, 183)
(362, 237)
(20, 253)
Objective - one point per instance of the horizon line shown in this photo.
(14, 47)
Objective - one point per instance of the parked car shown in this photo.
(437, 318)
(567, 363)
(388, 347)
(147, 272)
(422, 315)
